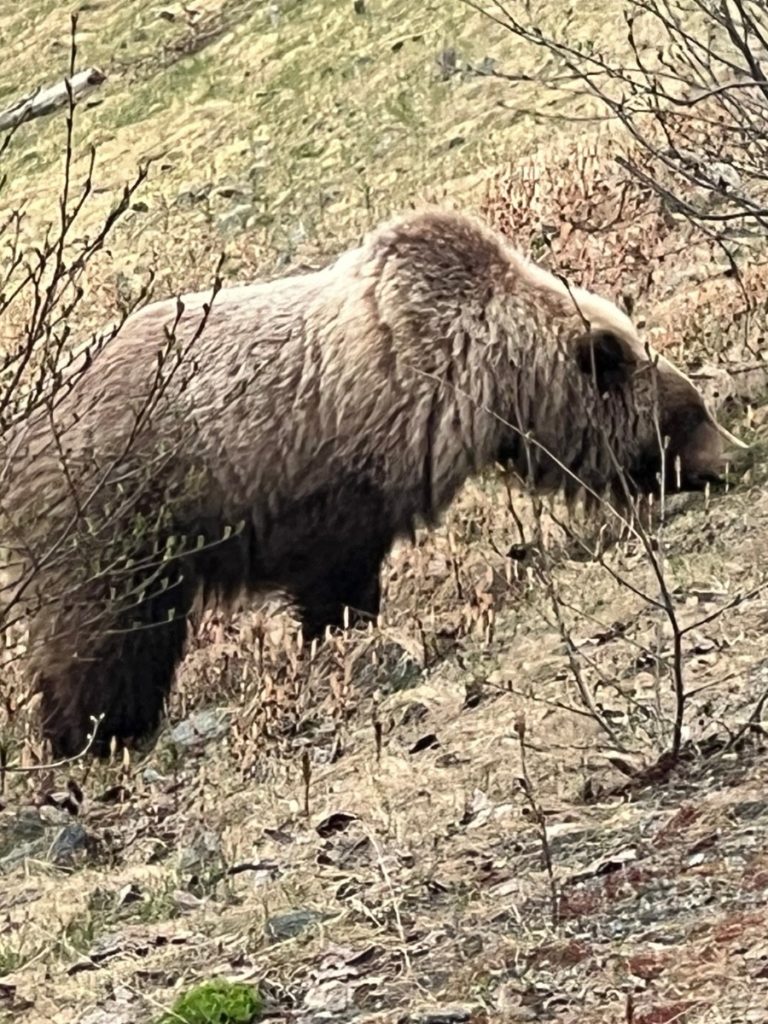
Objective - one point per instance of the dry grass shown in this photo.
(355, 836)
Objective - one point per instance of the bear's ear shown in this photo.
(603, 355)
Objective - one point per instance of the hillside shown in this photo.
(302, 122)
(350, 831)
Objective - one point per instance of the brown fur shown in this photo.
(320, 416)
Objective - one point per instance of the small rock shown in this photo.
(187, 902)
(444, 1015)
(288, 926)
(71, 840)
(208, 724)
(332, 996)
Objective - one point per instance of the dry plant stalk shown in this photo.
(540, 821)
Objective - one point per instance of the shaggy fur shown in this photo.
(318, 417)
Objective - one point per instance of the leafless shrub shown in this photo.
(693, 98)
(670, 218)
(44, 277)
(668, 211)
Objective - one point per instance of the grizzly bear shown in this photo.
(280, 436)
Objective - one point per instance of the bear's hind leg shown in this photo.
(123, 672)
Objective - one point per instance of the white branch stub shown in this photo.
(45, 101)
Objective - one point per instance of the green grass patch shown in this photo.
(216, 1002)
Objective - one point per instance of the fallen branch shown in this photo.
(46, 101)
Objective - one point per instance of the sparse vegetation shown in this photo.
(467, 813)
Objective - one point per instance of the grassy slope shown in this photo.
(321, 120)
(316, 126)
